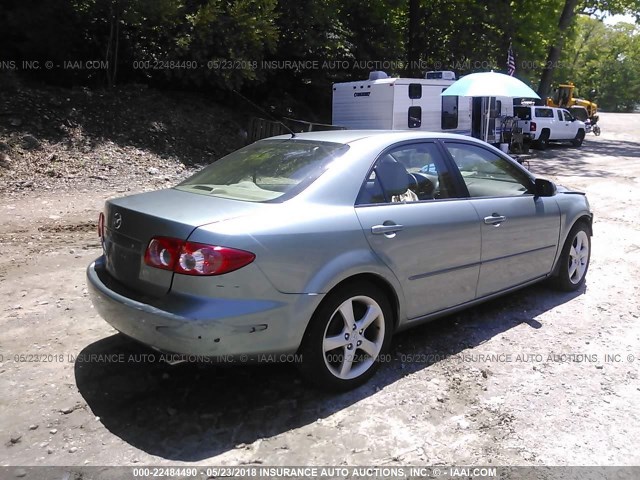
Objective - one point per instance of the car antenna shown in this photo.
(260, 109)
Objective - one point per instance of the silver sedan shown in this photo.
(324, 244)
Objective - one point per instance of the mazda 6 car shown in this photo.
(324, 244)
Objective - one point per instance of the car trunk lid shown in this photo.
(131, 222)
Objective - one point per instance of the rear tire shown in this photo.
(347, 333)
(574, 259)
(577, 141)
(543, 141)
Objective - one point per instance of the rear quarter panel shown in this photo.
(301, 248)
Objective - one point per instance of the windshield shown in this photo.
(523, 113)
(270, 170)
(579, 112)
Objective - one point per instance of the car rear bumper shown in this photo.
(211, 327)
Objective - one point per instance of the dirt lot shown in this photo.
(552, 397)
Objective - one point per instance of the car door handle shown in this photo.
(494, 219)
(380, 229)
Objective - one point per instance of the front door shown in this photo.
(571, 127)
(519, 230)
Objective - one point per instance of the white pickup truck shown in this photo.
(547, 124)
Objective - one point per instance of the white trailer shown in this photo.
(384, 103)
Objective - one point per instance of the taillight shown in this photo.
(201, 259)
(163, 252)
(532, 126)
(101, 225)
(191, 258)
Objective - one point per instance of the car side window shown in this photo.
(544, 113)
(567, 116)
(559, 115)
(408, 173)
(487, 174)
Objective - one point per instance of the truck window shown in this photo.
(559, 115)
(544, 113)
(579, 112)
(523, 113)
(415, 90)
(415, 117)
(449, 113)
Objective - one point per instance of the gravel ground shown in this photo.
(127, 139)
(533, 378)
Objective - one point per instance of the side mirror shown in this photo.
(544, 188)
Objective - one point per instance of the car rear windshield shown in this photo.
(265, 171)
(523, 113)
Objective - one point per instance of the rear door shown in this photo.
(545, 119)
(414, 220)
(519, 230)
(559, 130)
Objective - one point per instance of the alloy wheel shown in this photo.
(578, 257)
(353, 337)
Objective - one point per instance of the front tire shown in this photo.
(577, 141)
(574, 259)
(348, 332)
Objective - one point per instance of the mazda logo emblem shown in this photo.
(117, 220)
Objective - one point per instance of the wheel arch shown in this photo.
(580, 135)
(587, 219)
(366, 277)
(382, 284)
(543, 138)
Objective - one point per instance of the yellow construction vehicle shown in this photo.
(563, 97)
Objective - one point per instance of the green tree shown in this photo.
(374, 29)
(605, 60)
(570, 9)
(230, 38)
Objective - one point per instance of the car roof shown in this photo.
(350, 136)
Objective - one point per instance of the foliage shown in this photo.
(226, 38)
(604, 64)
(567, 19)
(258, 46)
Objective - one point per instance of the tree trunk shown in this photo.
(113, 43)
(115, 50)
(567, 15)
(107, 56)
(413, 39)
(505, 17)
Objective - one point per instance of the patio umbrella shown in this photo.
(489, 84)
